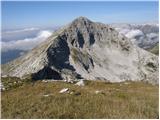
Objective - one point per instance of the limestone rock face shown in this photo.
(89, 50)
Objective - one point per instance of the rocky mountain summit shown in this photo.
(89, 50)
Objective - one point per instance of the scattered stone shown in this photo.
(68, 79)
(70, 82)
(126, 83)
(71, 92)
(52, 80)
(44, 81)
(47, 95)
(65, 80)
(97, 91)
(64, 90)
(2, 87)
(80, 83)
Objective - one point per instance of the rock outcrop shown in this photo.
(89, 50)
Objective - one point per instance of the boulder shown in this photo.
(80, 83)
(64, 90)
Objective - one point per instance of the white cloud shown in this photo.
(122, 31)
(152, 35)
(128, 30)
(21, 30)
(134, 33)
(27, 43)
(19, 34)
(130, 33)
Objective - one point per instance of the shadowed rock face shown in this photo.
(58, 54)
(85, 49)
(46, 73)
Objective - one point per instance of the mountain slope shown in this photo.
(85, 49)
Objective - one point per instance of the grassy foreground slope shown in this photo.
(114, 100)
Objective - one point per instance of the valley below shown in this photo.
(95, 99)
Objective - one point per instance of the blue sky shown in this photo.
(46, 14)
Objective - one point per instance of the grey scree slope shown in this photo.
(89, 50)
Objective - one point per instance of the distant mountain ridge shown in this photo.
(89, 50)
(145, 36)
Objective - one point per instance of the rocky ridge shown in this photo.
(89, 50)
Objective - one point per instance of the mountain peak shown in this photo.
(81, 19)
(87, 50)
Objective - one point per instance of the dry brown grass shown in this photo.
(117, 100)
